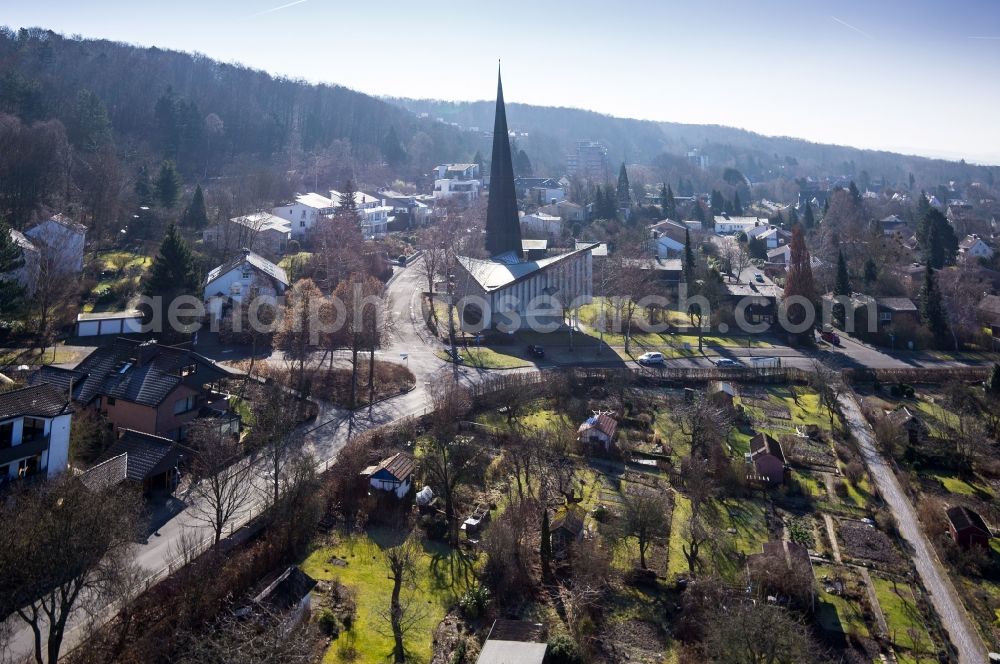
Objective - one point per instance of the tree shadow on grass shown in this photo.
(450, 569)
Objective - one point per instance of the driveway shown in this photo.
(947, 603)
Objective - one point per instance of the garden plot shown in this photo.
(865, 542)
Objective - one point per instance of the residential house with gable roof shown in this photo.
(245, 275)
(148, 387)
(34, 431)
(64, 238)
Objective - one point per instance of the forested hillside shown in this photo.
(552, 132)
(81, 117)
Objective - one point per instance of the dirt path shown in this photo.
(940, 589)
(832, 534)
(873, 600)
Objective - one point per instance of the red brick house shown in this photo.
(967, 528)
(147, 387)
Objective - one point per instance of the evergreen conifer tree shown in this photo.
(545, 551)
(808, 220)
(143, 187)
(689, 263)
(11, 259)
(624, 190)
(195, 215)
(932, 313)
(168, 185)
(173, 272)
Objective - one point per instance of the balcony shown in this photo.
(24, 450)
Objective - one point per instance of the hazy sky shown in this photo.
(912, 76)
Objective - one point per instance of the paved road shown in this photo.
(943, 595)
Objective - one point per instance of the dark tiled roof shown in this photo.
(257, 261)
(399, 465)
(39, 400)
(568, 519)
(516, 630)
(990, 303)
(147, 455)
(897, 303)
(140, 372)
(286, 591)
(107, 473)
(764, 443)
(962, 517)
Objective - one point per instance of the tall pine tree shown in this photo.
(11, 260)
(195, 215)
(173, 272)
(799, 283)
(144, 187)
(808, 220)
(624, 190)
(843, 283)
(168, 185)
(932, 313)
(689, 264)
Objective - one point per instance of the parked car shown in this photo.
(649, 359)
(401, 261)
(536, 351)
(726, 362)
(759, 278)
(830, 337)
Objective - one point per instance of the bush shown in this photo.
(563, 650)
(329, 623)
(853, 472)
(475, 602)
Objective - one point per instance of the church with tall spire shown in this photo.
(503, 226)
(507, 291)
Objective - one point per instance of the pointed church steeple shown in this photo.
(503, 227)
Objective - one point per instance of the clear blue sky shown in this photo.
(913, 76)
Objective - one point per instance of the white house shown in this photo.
(539, 223)
(64, 238)
(461, 181)
(245, 274)
(666, 247)
(394, 474)
(569, 212)
(373, 212)
(599, 429)
(767, 234)
(974, 246)
(260, 231)
(304, 212)
(27, 274)
(730, 225)
(34, 431)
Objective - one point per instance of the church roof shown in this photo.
(500, 271)
(503, 228)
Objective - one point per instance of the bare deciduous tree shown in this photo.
(645, 516)
(70, 550)
(223, 481)
(404, 612)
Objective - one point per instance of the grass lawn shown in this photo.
(676, 563)
(745, 517)
(485, 358)
(443, 575)
(51, 355)
(811, 484)
(113, 260)
(906, 627)
(957, 485)
(836, 613)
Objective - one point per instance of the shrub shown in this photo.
(563, 650)
(329, 623)
(853, 472)
(475, 602)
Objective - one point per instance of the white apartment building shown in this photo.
(460, 181)
(729, 225)
(304, 212)
(374, 213)
(34, 431)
